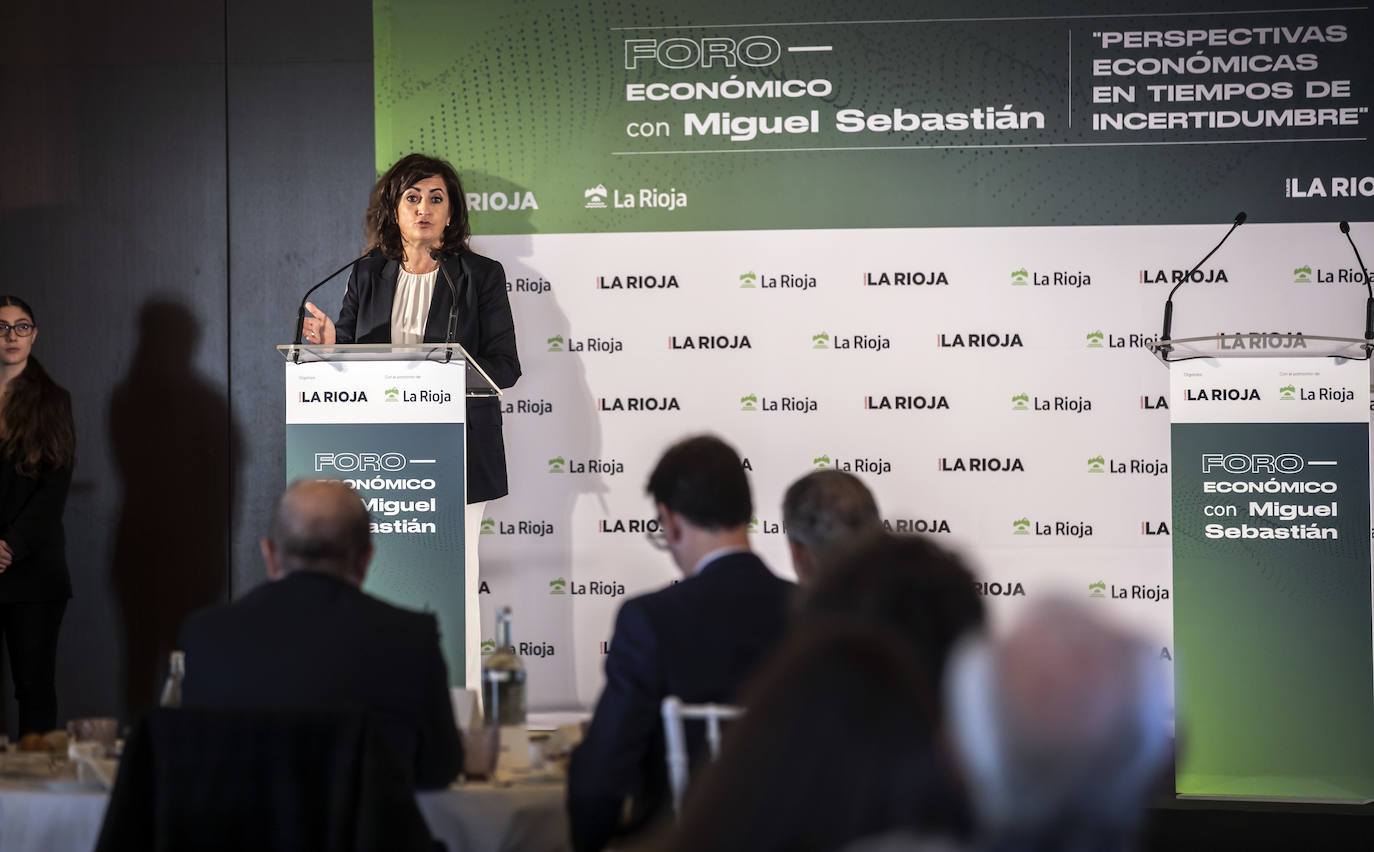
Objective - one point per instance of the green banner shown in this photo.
(417, 512)
(569, 116)
(1272, 626)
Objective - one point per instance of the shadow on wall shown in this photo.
(173, 445)
(524, 573)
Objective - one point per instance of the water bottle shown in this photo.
(503, 679)
(171, 690)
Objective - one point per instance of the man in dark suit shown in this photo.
(311, 639)
(698, 639)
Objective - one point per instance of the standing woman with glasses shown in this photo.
(37, 452)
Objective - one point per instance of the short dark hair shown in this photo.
(905, 583)
(702, 479)
(321, 525)
(380, 223)
(826, 508)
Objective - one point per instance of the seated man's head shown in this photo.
(319, 525)
(822, 511)
(905, 584)
(702, 497)
(1059, 727)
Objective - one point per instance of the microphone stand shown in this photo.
(1164, 338)
(453, 305)
(300, 312)
(1369, 301)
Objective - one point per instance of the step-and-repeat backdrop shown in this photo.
(925, 249)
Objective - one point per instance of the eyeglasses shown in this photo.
(657, 537)
(22, 329)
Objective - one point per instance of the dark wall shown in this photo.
(172, 176)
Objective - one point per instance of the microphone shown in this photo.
(300, 312)
(1169, 302)
(1369, 302)
(438, 258)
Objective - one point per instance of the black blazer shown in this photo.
(485, 329)
(700, 640)
(202, 779)
(311, 641)
(31, 524)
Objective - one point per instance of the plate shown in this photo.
(73, 786)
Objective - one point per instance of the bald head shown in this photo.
(319, 525)
(822, 512)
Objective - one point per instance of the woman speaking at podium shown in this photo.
(417, 218)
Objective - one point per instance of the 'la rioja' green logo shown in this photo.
(1020, 402)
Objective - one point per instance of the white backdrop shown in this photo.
(1074, 410)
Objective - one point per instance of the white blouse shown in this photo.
(410, 307)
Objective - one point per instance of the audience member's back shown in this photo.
(716, 630)
(311, 638)
(906, 584)
(837, 743)
(698, 639)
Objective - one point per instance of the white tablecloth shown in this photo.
(528, 817)
(33, 818)
(472, 818)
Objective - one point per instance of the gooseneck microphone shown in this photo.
(300, 312)
(1368, 302)
(438, 258)
(1169, 302)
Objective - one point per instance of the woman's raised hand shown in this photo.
(318, 328)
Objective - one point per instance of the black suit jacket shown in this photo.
(311, 641)
(31, 524)
(485, 329)
(700, 640)
(265, 781)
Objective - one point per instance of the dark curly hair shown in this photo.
(905, 583)
(380, 223)
(36, 427)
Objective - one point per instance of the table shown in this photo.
(36, 817)
(59, 816)
(523, 817)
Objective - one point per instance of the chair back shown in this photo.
(261, 780)
(675, 737)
